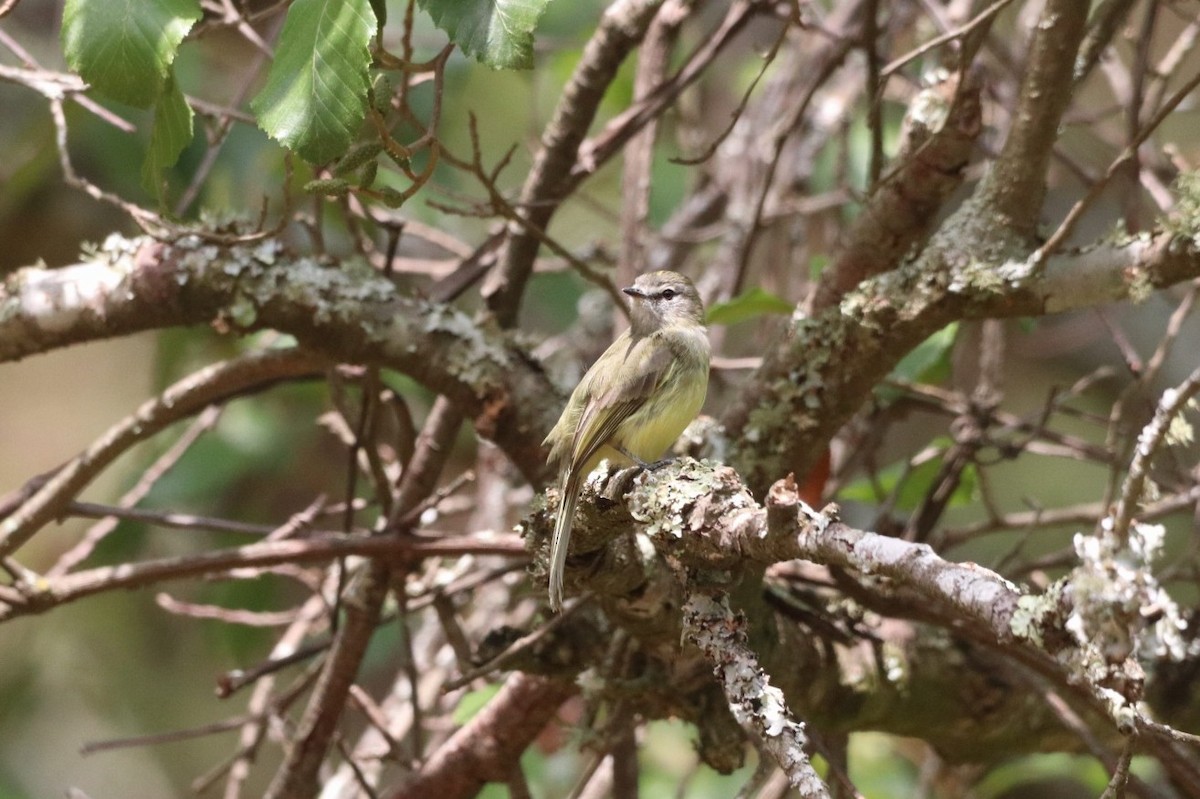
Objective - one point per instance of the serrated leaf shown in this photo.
(124, 48)
(316, 92)
(498, 33)
(380, 9)
(750, 304)
(172, 132)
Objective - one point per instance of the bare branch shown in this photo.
(621, 28)
(487, 747)
(190, 396)
(1016, 184)
(48, 594)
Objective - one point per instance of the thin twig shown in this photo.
(1172, 403)
(957, 33)
(155, 472)
(209, 386)
(1067, 226)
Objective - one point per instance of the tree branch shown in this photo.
(711, 625)
(350, 313)
(1016, 183)
(702, 518)
(803, 393)
(49, 593)
(486, 748)
(942, 125)
(189, 396)
(623, 25)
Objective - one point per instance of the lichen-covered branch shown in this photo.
(348, 312)
(804, 392)
(799, 397)
(702, 518)
(710, 625)
(941, 127)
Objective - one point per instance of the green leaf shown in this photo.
(748, 305)
(498, 33)
(910, 486)
(928, 358)
(172, 132)
(380, 9)
(124, 48)
(473, 702)
(816, 265)
(316, 92)
(928, 362)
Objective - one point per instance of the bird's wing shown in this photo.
(640, 368)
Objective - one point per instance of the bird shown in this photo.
(634, 401)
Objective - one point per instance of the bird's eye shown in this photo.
(668, 294)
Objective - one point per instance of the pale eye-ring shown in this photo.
(668, 294)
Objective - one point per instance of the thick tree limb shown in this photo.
(702, 518)
(803, 392)
(800, 396)
(349, 313)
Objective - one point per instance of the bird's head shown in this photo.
(663, 298)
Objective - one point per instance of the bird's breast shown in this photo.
(652, 428)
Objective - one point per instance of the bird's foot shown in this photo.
(643, 465)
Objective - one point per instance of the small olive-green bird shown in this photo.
(634, 401)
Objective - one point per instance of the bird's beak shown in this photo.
(633, 291)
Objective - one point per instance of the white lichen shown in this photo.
(1118, 607)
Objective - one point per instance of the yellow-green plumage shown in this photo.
(636, 399)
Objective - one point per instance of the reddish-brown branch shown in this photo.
(488, 747)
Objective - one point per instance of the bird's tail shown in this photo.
(568, 495)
